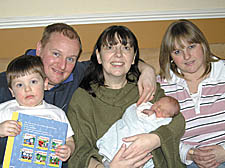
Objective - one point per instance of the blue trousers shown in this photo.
(193, 165)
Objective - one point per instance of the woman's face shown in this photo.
(116, 60)
(189, 59)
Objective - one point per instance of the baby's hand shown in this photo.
(148, 112)
(9, 128)
(63, 152)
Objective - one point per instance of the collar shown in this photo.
(216, 74)
(69, 79)
(217, 71)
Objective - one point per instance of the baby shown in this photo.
(136, 120)
(26, 81)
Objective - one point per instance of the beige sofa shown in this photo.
(149, 55)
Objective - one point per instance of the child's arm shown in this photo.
(65, 151)
(9, 128)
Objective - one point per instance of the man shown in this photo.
(59, 49)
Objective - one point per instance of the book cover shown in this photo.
(35, 146)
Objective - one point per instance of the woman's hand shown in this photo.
(208, 156)
(141, 144)
(131, 162)
(146, 83)
(217, 150)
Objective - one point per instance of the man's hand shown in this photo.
(146, 83)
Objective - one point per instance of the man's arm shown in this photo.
(146, 82)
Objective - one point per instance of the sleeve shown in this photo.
(80, 69)
(82, 122)
(172, 132)
(170, 136)
(184, 148)
(223, 145)
(4, 90)
(159, 93)
(70, 132)
(30, 52)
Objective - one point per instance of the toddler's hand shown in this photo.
(63, 152)
(10, 128)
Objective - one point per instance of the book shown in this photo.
(35, 146)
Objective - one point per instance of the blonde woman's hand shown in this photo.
(209, 156)
(203, 158)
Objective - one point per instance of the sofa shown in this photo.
(149, 55)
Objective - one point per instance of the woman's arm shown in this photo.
(166, 137)
(173, 131)
(95, 164)
(80, 116)
(120, 161)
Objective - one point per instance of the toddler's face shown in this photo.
(28, 90)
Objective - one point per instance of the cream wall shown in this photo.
(22, 22)
(32, 8)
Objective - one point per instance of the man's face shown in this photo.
(59, 56)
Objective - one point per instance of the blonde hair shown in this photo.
(177, 32)
(63, 28)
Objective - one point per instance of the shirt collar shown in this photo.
(215, 74)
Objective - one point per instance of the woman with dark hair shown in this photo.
(109, 87)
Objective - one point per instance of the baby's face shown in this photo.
(162, 108)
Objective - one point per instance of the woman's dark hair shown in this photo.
(110, 36)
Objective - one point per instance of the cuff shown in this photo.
(223, 145)
(184, 148)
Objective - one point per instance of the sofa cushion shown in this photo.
(151, 55)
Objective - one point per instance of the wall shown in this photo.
(14, 8)
(14, 42)
(21, 23)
